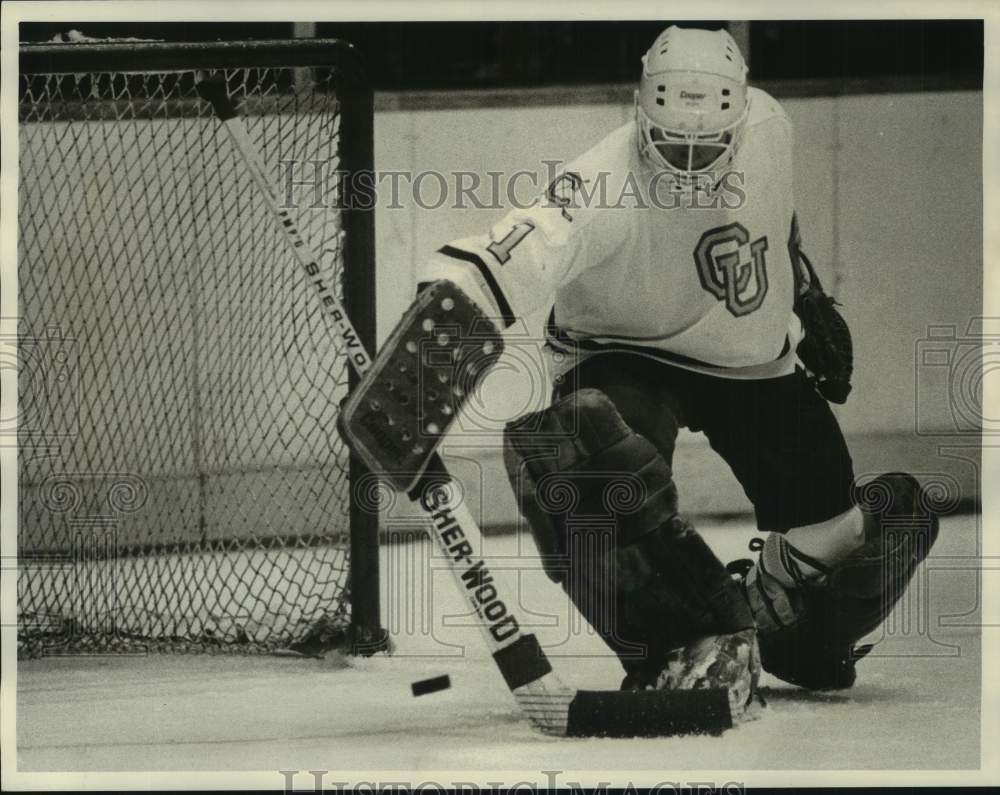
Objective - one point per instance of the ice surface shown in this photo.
(916, 704)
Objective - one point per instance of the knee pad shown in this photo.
(808, 634)
(602, 506)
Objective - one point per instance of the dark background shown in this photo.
(475, 55)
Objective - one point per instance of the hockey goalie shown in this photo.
(670, 256)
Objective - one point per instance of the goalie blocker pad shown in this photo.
(405, 404)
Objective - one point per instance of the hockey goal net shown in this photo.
(182, 484)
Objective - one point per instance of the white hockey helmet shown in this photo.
(691, 105)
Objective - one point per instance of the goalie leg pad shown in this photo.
(808, 634)
(579, 458)
(602, 506)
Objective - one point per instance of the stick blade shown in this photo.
(649, 713)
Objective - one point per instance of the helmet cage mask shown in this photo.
(691, 158)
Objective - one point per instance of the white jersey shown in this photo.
(626, 267)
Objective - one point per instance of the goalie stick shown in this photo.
(547, 702)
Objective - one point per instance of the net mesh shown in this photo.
(182, 485)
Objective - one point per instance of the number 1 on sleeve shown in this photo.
(501, 248)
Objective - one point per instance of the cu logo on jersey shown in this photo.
(732, 268)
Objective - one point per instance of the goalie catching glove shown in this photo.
(827, 350)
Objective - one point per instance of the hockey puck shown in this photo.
(432, 685)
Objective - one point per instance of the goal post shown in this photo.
(182, 485)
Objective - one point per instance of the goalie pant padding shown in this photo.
(602, 506)
(807, 635)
